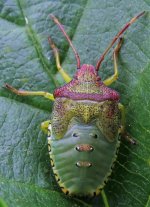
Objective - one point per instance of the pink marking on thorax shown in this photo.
(87, 73)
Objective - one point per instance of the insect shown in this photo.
(87, 123)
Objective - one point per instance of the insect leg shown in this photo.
(60, 69)
(104, 198)
(122, 110)
(30, 93)
(44, 126)
(122, 130)
(114, 77)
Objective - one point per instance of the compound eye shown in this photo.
(75, 134)
(94, 135)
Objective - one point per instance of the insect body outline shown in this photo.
(86, 125)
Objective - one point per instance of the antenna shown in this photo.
(68, 39)
(116, 38)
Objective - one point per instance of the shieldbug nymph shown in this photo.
(87, 123)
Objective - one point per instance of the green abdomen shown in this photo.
(83, 172)
(83, 154)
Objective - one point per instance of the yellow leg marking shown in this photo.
(114, 77)
(122, 129)
(30, 93)
(65, 76)
(122, 110)
(105, 199)
(44, 126)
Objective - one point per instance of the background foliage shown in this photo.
(27, 62)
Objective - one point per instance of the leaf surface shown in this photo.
(27, 62)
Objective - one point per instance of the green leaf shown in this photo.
(27, 62)
(2, 203)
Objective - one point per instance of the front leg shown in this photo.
(30, 93)
(122, 129)
(45, 127)
(65, 76)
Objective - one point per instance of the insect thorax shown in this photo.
(105, 115)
